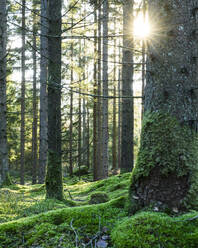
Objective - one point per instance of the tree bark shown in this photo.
(22, 148)
(127, 90)
(98, 168)
(143, 59)
(3, 126)
(105, 132)
(114, 131)
(43, 92)
(119, 120)
(166, 173)
(95, 105)
(54, 185)
(79, 113)
(35, 115)
(87, 139)
(71, 115)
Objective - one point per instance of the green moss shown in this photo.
(31, 230)
(98, 197)
(154, 230)
(38, 188)
(171, 147)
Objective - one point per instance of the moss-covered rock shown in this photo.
(166, 172)
(98, 197)
(154, 230)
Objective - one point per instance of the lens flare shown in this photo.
(141, 27)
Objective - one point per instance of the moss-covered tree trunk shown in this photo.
(166, 173)
(54, 187)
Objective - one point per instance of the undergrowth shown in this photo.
(29, 221)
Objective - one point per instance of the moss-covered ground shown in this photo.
(28, 220)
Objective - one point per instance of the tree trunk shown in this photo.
(79, 131)
(127, 90)
(84, 128)
(3, 128)
(143, 59)
(79, 113)
(88, 136)
(22, 148)
(71, 115)
(54, 185)
(35, 115)
(95, 105)
(105, 133)
(114, 131)
(98, 169)
(166, 173)
(119, 120)
(43, 92)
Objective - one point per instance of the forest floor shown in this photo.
(93, 214)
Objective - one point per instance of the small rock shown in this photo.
(175, 210)
(156, 209)
(102, 244)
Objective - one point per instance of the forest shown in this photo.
(98, 124)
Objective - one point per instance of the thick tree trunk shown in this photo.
(127, 90)
(3, 136)
(22, 148)
(166, 173)
(54, 186)
(43, 92)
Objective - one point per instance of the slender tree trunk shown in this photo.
(79, 131)
(79, 114)
(127, 90)
(3, 126)
(119, 120)
(22, 148)
(166, 172)
(105, 133)
(43, 92)
(97, 172)
(114, 131)
(71, 116)
(143, 59)
(54, 185)
(84, 128)
(35, 114)
(88, 136)
(95, 106)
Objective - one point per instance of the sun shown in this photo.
(141, 27)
